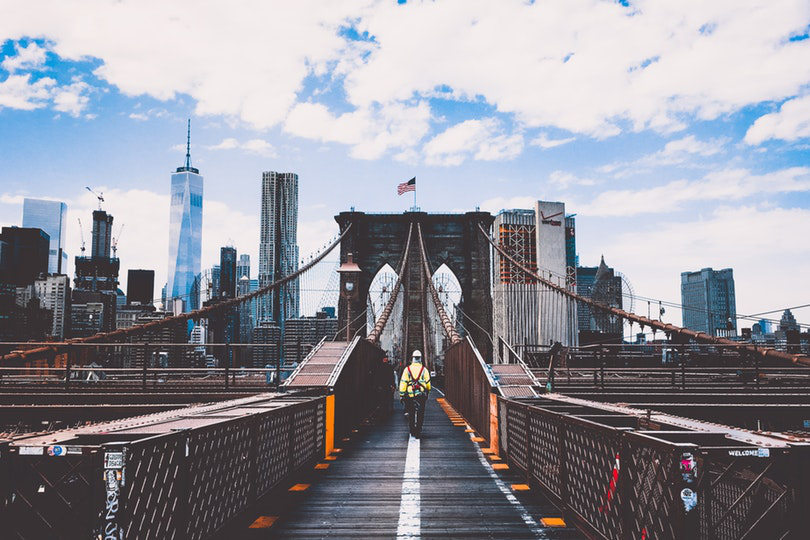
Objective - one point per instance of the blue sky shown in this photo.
(679, 132)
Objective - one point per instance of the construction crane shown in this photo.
(100, 197)
(81, 235)
(115, 241)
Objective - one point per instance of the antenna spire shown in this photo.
(188, 145)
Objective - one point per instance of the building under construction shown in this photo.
(515, 299)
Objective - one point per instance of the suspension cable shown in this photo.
(447, 324)
(645, 321)
(379, 325)
(102, 337)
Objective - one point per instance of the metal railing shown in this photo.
(469, 384)
(172, 475)
(148, 367)
(617, 476)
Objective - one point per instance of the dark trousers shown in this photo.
(415, 408)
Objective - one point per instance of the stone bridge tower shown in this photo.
(451, 239)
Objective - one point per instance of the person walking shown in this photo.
(414, 387)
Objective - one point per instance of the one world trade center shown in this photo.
(185, 235)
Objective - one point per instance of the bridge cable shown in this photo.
(667, 328)
(102, 337)
(447, 324)
(379, 325)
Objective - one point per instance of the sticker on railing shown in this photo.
(753, 452)
(57, 450)
(31, 450)
(614, 480)
(688, 468)
(689, 498)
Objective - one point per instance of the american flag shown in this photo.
(405, 187)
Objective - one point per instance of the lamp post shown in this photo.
(349, 277)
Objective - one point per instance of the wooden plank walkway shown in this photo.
(367, 491)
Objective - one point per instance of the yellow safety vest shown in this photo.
(415, 380)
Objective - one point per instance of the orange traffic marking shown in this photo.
(520, 487)
(337, 450)
(553, 522)
(500, 466)
(300, 487)
(263, 522)
(488, 450)
(330, 458)
(469, 430)
(478, 439)
(493, 457)
(321, 466)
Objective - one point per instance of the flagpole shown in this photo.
(414, 196)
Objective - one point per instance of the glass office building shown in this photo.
(185, 234)
(51, 217)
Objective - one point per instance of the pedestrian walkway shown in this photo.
(384, 484)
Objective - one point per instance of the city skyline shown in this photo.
(705, 167)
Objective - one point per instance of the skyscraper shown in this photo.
(558, 314)
(185, 231)
(708, 301)
(603, 285)
(140, 287)
(53, 292)
(243, 266)
(51, 217)
(227, 272)
(278, 247)
(24, 255)
(99, 272)
(95, 294)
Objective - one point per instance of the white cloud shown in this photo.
(19, 92)
(260, 147)
(252, 146)
(688, 151)
(565, 180)
(71, 98)
(138, 116)
(790, 123)
(483, 139)
(370, 131)
(560, 63)
(680, 149)
(28, 57)
(543, 141)
(555, 64)
(226, 144)
(497, 204)
(725, 185)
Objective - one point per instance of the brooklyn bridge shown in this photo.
(520, 440)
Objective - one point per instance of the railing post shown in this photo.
(602, 374)
(227, 364)
(683, 376)
(145, 364)
(68, 362)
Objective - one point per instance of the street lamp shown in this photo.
(349, 275)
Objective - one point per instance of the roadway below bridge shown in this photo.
(382, 483)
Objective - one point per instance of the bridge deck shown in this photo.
(454, 492)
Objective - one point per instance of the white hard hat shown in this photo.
(417, 354)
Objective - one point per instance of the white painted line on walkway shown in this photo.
(536, 529)
(410, 521)
(439, 391)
